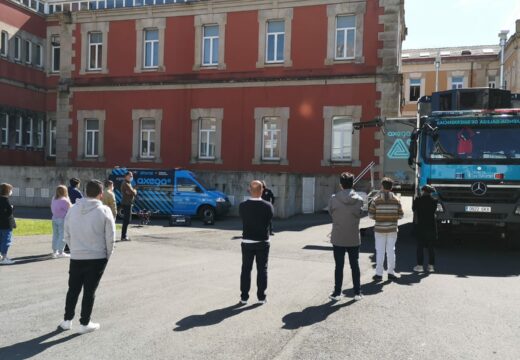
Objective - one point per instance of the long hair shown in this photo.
(61, 192)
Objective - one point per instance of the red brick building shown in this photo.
(220, 86)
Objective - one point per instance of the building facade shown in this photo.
(230, 89)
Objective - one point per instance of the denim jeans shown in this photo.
(57, 235)
(339, 259)
(6, 236)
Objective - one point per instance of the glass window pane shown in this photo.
(148, 124)
(351, 39)
(96, 37)
(280, 47)
(346, 22)
(155, 61)
(215, 51)
(270, 48)
(152, 35)
(276, 26)
(148, 54)
(99, 56)
(211, 30)
(340, 44)
(92, 124)
(207, 53)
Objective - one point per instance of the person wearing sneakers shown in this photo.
(90, 233)
(345, 208)
(7, 223)
(256, 216)
(59, 206)
(386, 210)
(424, 208)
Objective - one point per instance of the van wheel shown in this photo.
(207, 214)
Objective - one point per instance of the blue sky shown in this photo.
(439, 23)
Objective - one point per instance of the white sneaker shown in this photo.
(7, 261)
(358, 297)
(66, 325)
(84, 329)
(334, 297)
(243, 302)
(431, 268)
(63, 255)
(261, 302)
(418, 268)
(55, 255)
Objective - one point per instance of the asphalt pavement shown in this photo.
(172, 293)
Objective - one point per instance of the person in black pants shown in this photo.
(90, 232)
(424, 208)
(256, 214)
(128, 194)
(268, 196)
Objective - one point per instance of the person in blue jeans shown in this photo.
(7, 223)
(59, 206)
(345, 208)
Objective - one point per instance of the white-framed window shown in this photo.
(457, 82)
(27, 48)
(492, 81)
(55, 53)
(4, 129)
(207, 138)
(210, 38)
(28, 127)
(18, 131)
(39, 134)
(345, 37)
(271, 138)
(415, 89)
(38, 55)
(147, 138)
(91, 137)
(17, 48)
(95, 50)
(4, 43)
(341, 142)
(151, 48)
(275, 41)
(52, 138)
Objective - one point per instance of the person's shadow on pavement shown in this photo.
(312, 315)
(212, 317)
(28, 349)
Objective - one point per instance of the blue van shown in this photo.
(172, 192)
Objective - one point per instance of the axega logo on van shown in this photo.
(172, 192)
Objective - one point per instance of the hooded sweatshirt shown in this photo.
(89, 230)
(345, 208)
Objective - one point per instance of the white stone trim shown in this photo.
(196, 115)
(140, 26)
(83, 115)
(137, 115)
(86, 28)
(210, 19)
(283, 113)
(354, 112)
(422, 91)
(357, 9)
(276, 14)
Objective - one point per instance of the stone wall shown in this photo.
(35, 186)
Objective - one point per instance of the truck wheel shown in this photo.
(207, 214)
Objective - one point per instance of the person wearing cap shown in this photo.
(128, 194)
(424, 208)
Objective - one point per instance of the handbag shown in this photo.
(12, 222)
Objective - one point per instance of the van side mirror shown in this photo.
(198, 189)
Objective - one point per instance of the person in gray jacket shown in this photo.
(90, 233)
(345, 208)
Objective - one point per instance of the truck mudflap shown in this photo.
(484, 213)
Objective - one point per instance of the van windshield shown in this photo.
(202, 183)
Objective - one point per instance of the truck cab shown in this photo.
(172, 192)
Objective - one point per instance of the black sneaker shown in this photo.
(392, 277)
(125, 239)
(377, 278)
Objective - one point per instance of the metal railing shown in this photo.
(370, 167)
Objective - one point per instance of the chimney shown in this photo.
(518, 26)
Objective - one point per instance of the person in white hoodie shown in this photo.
(90, 233)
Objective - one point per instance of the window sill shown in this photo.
(264, 64)
(90, 159)
(358, 60)
(206, 161)
(333, 163)
(145, 160)
(270, 162)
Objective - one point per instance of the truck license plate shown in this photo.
(482, 209)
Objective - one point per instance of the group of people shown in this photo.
(346, 210)
(87, 226)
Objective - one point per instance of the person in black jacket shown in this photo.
(7, 223)
(424, 208)
(268, 196)
(74, 193)
(256, 214)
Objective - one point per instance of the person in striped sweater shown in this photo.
(386, 210)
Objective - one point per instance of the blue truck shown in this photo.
(472, 158)
(172, 192)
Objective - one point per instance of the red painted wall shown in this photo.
(24, 19)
